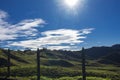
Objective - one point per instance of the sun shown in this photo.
(71, 6)
(71, 3)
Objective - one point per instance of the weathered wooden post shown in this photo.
(8, 66)
(83, 65)
(38, 64)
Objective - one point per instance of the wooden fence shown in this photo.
(38, 64)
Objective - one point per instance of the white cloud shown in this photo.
(59, 47)
(61, 36)
(55, 39)
(25, 28)
(3, 14)
(28, 29)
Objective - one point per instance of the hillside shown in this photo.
(103, 55)
(113, 58)
(63, 65)
(98, 52)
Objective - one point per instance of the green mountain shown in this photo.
(103, 55)
(113, 58)
(101, 63)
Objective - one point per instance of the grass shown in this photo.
(61, 78)
(74, 78)
(54, 72)
(28, 71)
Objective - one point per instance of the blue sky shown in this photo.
(52, 24)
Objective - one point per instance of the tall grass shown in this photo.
(57, 72)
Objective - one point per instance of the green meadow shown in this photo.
(25, 68)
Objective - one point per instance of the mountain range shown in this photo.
(99, 55)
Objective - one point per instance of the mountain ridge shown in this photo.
(103, 55)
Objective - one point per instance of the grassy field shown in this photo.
(62, 73)
(25, 69)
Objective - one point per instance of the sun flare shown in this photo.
(71, 6)
(71, 3)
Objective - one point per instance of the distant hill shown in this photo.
(62, 63)
(105, 55)
(117, 46)
(60, 54)
(113, 58)
(99, 52)
(16, 58)
(102, 55)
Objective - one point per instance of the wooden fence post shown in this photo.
(38, 64)
(83, 65)
(8, 66)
